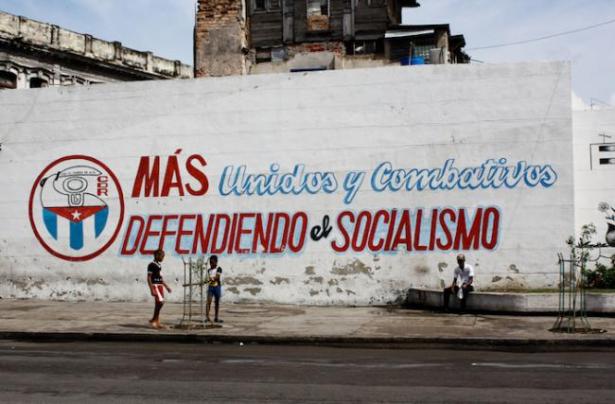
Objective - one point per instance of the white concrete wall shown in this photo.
(338, 123)
(595, 182)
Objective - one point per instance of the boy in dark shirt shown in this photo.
(156, 286)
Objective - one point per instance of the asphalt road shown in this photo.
(150, 373)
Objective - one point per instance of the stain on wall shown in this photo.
(442, 266)
(314, 279)
(279, 280)
(242, 280)
(252, 291)
(355, 267)
(232, 289)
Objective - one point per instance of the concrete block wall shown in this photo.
(338, 187)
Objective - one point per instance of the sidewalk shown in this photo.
(281, 324)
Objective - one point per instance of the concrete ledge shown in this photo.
(492, 302)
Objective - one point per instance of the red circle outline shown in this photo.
(33, 225)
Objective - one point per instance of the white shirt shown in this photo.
(212, 272)
(464, 275)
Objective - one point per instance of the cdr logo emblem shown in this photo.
(76, 208)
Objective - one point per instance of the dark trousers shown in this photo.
(450, 290)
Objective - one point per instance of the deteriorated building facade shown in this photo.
(36, 54)
(259, 36)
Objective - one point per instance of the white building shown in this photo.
(36, 54)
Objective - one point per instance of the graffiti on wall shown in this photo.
(77, 208)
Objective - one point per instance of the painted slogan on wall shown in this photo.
(77, 207)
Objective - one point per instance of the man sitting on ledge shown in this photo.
(462, 283)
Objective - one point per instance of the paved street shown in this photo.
(130, 372)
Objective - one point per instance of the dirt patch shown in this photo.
(356, 267)
(253, 291)
(242, 280)
(92, 282)
(317, 279)
(28, 285)
(442, 266)
(278, 280)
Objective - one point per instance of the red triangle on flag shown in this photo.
(78, 213)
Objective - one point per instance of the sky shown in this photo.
(165, 27)
(492, 22)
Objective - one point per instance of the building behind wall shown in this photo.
(262, 36)
(36, 54)
(594, 161)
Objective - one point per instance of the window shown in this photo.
(260, 5)
(602, 156)
(318, 15)
(8, 80)
(37, 82)
(265, 5)
(364, 47)
(318, 7)
(423, 51)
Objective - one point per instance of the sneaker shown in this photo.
(218, 321)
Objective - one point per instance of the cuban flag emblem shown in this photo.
(69, 204)
(76, 207)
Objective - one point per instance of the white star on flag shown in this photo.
(76, 215)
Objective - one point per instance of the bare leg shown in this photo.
(155, 321)
(208, 307)
(217, 303)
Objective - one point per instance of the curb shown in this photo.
(466, 343)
